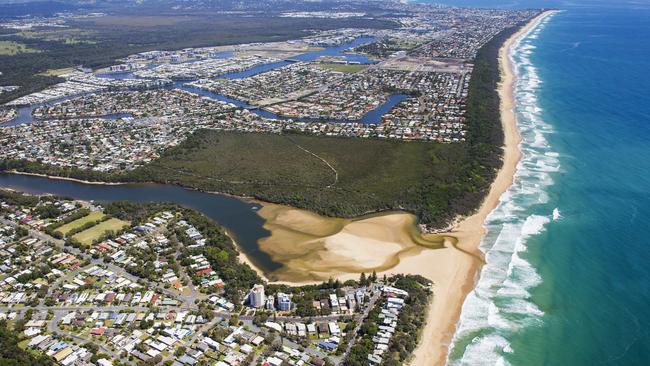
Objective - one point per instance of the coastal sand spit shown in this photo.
(313, 248)
(451, 288)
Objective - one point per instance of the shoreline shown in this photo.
(445, 309)
(68, 178)
(244, 258)
(355, 246)
(313, 248)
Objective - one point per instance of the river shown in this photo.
(238, 216)
(372, 117)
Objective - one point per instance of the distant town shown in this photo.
(408, 84)
(123, 283)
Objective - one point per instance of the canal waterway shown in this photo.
(238, 216)
(372, 117)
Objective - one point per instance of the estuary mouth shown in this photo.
(311, 247)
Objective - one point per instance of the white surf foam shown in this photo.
(501, 305)
(556, 214)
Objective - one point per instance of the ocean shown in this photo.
(567, 279)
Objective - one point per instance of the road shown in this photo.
(188, 301)
(359, 319)
(194, 294)
(53, 327)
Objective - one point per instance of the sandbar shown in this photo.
(313, 248)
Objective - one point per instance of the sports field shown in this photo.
(93, 216)
(343, 67)
(87, 237)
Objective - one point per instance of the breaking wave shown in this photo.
(500, 304)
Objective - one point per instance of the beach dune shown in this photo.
(313, 248)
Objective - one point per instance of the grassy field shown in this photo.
(343, 177)
(97, 42)
(58, 72)
(87, 237)
(343, 67)
(93, 216)
(67, 36)
(365, 176)
(10, 48)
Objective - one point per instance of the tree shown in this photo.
(21, 232)
(153, 361)
(12, 354)
(234, 320)
(180, 351)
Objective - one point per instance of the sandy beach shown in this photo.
(458, 279)
(314, 248)
(68, 179)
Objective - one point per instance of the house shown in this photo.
(98, 331)
(275, 326)
(328, 346)
(333, 328)
(323, 329)
(60, 355)
(246, 348)
(274, 361)
(317, 362)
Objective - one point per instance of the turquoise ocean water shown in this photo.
(567, 280)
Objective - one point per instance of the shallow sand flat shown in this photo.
(300, 221)
(365, 253)
(313, 248)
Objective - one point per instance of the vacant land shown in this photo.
(343, 177)
(58, 72)
(332, 176)
(92, 217)
(98, 42)
(68, 36)
(87, 237)
(10, 48)
(343, 67)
